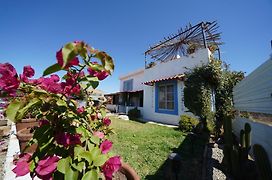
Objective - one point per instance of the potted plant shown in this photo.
(72, 140)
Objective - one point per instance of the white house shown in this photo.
(163, 90)
(130, 94)
(157, 89)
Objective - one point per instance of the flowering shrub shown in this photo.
(71, 139)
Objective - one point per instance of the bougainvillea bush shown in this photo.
(71, 139)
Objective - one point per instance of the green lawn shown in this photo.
(146, 148)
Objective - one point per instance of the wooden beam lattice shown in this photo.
(189, 39)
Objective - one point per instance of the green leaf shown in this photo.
(90, 146)
(77, 151)
(13, 108)
(32, 166)
(52, 69)
(68, 53)
(95, 139)
(61, 102)
(103, 112)
(70, 174)
(33, 102)
(96, 67)
(45, 145)
(87, 155)
(94, 84)
(78, 166)
(83, 132)
(90, 175)
(90, 155)
(64, 165)
(81, 49)
(95, 152)
(106, 60)
(100, 160)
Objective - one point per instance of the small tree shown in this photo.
(201, 83)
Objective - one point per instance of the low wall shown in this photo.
(260, 133)
(122, 109)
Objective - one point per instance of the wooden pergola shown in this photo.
(186, 41)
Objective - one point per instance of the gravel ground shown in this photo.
(3, 152)
(213, 163)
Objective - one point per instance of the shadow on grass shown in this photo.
(191, 152)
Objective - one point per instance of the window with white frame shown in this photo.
(166, 96)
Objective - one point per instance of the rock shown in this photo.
(124, 117)
(4, 131)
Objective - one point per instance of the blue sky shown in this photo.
(31, 31)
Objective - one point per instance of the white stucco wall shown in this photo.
(168, 69)
(138, 79)
(149, 106)
(177, 66)
(260, 133)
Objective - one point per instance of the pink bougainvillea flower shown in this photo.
(43, 122)
(102, 75)
(75, 139)
(51, 84)
(70, 87)
(63, 139)
(22, 157)
(94, 117)
(111, 166)
(91, 71)
(69, 90)
(47, 166)
(73, 62)
(99, 134)
(67, 139)
(21, 169)
(28, 71)
(78, 42)
(80, 109)
(22, 165)
(105, 146)
(106, 121)
(54, 78)
(9, 81)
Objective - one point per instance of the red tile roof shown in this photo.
(178, 76)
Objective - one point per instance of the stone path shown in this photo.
(214, 163)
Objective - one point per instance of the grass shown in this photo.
(146, 148)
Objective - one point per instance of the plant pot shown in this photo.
(24, 135)
(126, 172)
(26, 123)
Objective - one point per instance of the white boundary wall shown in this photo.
(254, 94)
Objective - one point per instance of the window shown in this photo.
(128, 85)
(166, 97)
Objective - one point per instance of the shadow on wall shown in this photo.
(191, 153)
